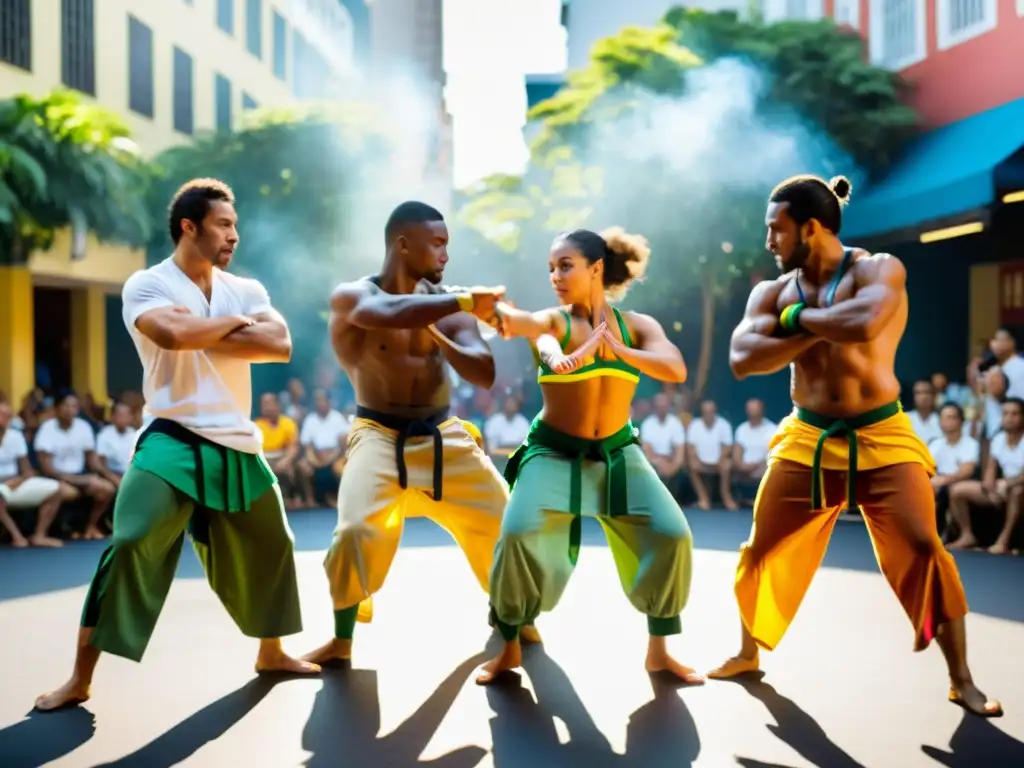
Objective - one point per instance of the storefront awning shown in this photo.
(944, 173)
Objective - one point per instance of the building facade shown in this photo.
(172, 68)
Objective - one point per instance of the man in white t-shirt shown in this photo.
(507, 430)
(750, 450)
(1004, 348)
(924, 419)
(198, 465)
(66, 449)
(21, 489)
(323, 438)
(956, 456)
(115, 443)
(709, 449)
(1001, 487)
(663, 438)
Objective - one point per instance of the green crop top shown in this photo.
(615, 368)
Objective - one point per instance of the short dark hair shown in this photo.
(1019, 402)
(63, 396)
(192, 202)
(811, 197)
(926, 382)
(409, 212)
(953, 407)
(1008, 331)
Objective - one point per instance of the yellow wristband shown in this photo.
(466, 302)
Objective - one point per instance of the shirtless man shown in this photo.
(836, 316)
(395, 335)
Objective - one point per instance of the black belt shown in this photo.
(426, 426)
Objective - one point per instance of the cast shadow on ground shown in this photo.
(661, 733)
(40, 738)
(343, 725)
(975, 742)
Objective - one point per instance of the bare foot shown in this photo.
(968, 696)
(511, 656)
(963, 542)
(71, 694)
(529, 634)
(46, 541)
(737, 665)
(333, 650)
(663, 662)
(704, 504)
(279, 661)
(19, 543)
(731, 505)
(999, 548)
(93, 534)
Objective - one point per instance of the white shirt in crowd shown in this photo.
(754, 440)
(707, 441)
(210, 394)
(12, 448)
(116, 447)
(950, 456)
(1013, 369)
(324, 433)
(663, 436)
(1010, 458)
(67, 446)
(927, 429)
(503, 432)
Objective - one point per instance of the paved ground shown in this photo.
(844, 690)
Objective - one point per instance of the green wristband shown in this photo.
(789, 319)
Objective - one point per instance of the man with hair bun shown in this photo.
(836, 316)
(583, 456)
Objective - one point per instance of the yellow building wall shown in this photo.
(984, 306)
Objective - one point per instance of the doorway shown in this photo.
(52, 317)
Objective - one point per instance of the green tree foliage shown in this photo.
(65, 163)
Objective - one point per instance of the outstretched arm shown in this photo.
(653, 355)
(754, 350)
(530, 325)
(880, 284)
(465, 349)
(267, 340)
(361, 305)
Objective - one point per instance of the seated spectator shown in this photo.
(66, 448)
(709, 447)
(505, 431)
(1002, 486)
(923, 418)
(663, 438)
(323, 439)
(948, 392)
(115, 444)
(21, 489)
(281, 448)
(293, 400)
(750, 451)
(956, 456)
(994, 385)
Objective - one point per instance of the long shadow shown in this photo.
(199, 729)
(343, 726)
(978, 742)
(40, 738)
(661, 733)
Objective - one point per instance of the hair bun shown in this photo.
(841, 187)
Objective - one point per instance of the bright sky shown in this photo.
(488, 46)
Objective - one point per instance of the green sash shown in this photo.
(542, 440)
(832, 427)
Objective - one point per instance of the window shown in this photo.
(959, 20)
(254, 27)
(248, 102)
(16, 33)
(78, 45)
(310, 71)
(226, 15)
(184, 109)
(222, 93)
(792, 10)
(280, 47)
(563, 18)
(847, 12)
(140, 67)
(897, 33)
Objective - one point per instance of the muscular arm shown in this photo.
(465, 349)
(177, 329)
(754, 351)
(267, 340)
(356, 304)
(653, 355)
(881, 283)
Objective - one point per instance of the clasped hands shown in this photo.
(601, 343)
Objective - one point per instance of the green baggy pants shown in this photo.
(556, 478)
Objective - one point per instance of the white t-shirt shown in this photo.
(1014, 372)
(949, 456)
(926, 429)
(503, 432)
(324, 433)
(1010, 458)
(210, 394)
(12, 448)
(754, 440)
(116, 447)
(67, 446)
(663, 436)
(708, 441)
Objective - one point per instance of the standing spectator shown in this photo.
(21, 489)
(709, 449)
(948, 392)
(994, 384)
(956, 456)
(664, 441)
(1003, 348)
(66, 447)
(115, 444)
(923, 418)
(323, 438)
(293, 400)
(750, 452)
(505, 431)
(280, 446)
